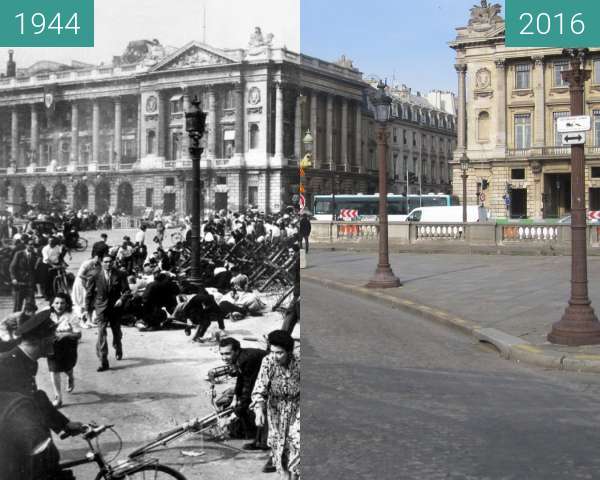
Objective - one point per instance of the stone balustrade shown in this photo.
(480, 234)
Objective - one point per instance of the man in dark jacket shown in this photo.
(104, 293)
(246, 363)
(159, 294)
(100, 248)
(304, 231)
(26, 413)
(22, 275)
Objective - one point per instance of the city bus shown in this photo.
(367, 206)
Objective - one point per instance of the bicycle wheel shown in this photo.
(145, 472)
(82, 244)
(60, 284)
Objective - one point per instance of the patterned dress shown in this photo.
(279, 387)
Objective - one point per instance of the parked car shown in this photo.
(447, 214)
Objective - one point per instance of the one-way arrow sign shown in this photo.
(573, 138)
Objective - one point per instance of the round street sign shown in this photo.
(482, 197)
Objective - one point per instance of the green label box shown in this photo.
(553, 23)
(47, 23)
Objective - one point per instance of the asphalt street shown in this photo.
(386, 395)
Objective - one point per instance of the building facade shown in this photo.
(509, 100)
(422, 139)
(112, 137)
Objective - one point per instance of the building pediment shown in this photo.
(192, 55)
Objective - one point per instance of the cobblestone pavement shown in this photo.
(520, 295)
(159, 383)
(388, 396)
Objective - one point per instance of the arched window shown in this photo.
(254, 140)
(150, 141)
(483, 127)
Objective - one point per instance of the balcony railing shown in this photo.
(548, 152)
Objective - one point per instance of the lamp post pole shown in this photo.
(305, 163)
(384, 276)
(195, 121)
(464, 166)
(579, 324)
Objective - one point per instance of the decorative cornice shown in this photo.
(538, 61)
(500, 63)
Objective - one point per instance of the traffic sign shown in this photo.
(482, 197)
(573, 138)
(581, 123)
(302, 202)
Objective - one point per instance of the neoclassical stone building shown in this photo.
(113, 136)
(508, 102)
(422, 136)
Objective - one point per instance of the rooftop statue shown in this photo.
(258, 40)
(485, 16)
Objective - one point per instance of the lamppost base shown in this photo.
(578, 326)
(384, 278)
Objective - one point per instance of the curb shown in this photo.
(510, 250)
(508, 346)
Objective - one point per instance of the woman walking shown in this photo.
(277, 389)
(88, 269)
(65, 347)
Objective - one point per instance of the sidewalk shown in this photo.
(509, 301)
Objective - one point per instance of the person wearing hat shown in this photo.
(26, 408)
(22, 275)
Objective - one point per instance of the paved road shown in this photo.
(388, 396)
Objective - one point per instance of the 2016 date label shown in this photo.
(552, 23)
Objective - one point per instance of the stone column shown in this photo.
(358, 136)
(95, 131)
(278, 121)
(461, 144)
(344, 134)
(212, 124)
(14, 137)
(161, 134)
(313, 129)
(35, 134)
(298, 134)
(185, 138)
(74, 133)
(117, 135)
(539, 128)
(501, 106)
(239, 119)
(329, 132)
(140, 136)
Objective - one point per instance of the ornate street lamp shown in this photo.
(464, 167)
(579, 324)
(195, 122)
(384, 276)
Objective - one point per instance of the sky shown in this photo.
(401, 40)
(229, 24)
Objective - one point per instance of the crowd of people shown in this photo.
(143, 282)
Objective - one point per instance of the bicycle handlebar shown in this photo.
(91, 431)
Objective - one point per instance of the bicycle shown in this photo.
(81, 244)
(135, 466)
(61, 283)
(131, 468)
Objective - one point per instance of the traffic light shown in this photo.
(306, 162)
(484, 184)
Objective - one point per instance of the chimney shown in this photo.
(11, 66)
